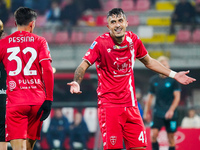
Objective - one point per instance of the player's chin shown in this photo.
(119, 35)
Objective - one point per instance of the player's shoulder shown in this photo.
(132, 35)
(154, 78)
(37, 37)
(103, 37)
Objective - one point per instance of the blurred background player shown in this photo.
(27, 61)
(3, 144)
(167, 92)
(114, 53)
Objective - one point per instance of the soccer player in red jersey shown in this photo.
(27, 62)
(3, 144)
(114, 54)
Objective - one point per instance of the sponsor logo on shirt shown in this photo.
(2, 91)
(29, 84)
(93, 45)
(12, 85)
(119, 47)
(113, 140)
(21, 39)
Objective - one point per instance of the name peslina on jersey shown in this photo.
(114, 63)
(21, 53)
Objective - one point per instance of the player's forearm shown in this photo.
(79, 74)
(156, 66)
(48, 79)
(80, 71)
(177, 95)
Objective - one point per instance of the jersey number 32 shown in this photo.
(13, 56)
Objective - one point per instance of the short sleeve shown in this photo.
(177, 86)
(141, 51)
(44, 53)
(93, 53)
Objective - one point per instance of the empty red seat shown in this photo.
(133, 20)
(183, 36)
(90, 36)
(61, 37)
(10, 22)
(142, 5)
(110, 4)
(101, 20)
(40, 21)
(196, 36)
(127, 5)
(77, 37)
(48, 36)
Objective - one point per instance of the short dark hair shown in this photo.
(24, 15)
(116, 11)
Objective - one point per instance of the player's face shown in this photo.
(117, 25)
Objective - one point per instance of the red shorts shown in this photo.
(121, 123)
(22, 122)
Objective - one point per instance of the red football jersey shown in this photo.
(21, 54)
(114, 64)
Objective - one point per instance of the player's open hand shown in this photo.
(75, 87)
(182, 78)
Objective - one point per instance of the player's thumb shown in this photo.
(44, 115)
(186, 72)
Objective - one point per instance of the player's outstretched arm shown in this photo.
(156, 66)
(78, 77)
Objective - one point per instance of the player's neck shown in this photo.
(118, 40)
(23, 28)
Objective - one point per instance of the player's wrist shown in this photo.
(172, 74)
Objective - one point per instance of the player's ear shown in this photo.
(15, 23)
(32, 25)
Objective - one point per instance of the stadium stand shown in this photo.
(127, 5)
(142, 5)
(183, 36)
(49, 36)
(133, 20)
(61, 37)
(196, 36)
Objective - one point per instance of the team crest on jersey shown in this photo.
(113, 140)
(93, 45)
(109, 50)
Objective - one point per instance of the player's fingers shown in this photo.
(69, 83)
(71, 90)
(186, 72)
(79, 92)
(44, 116)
